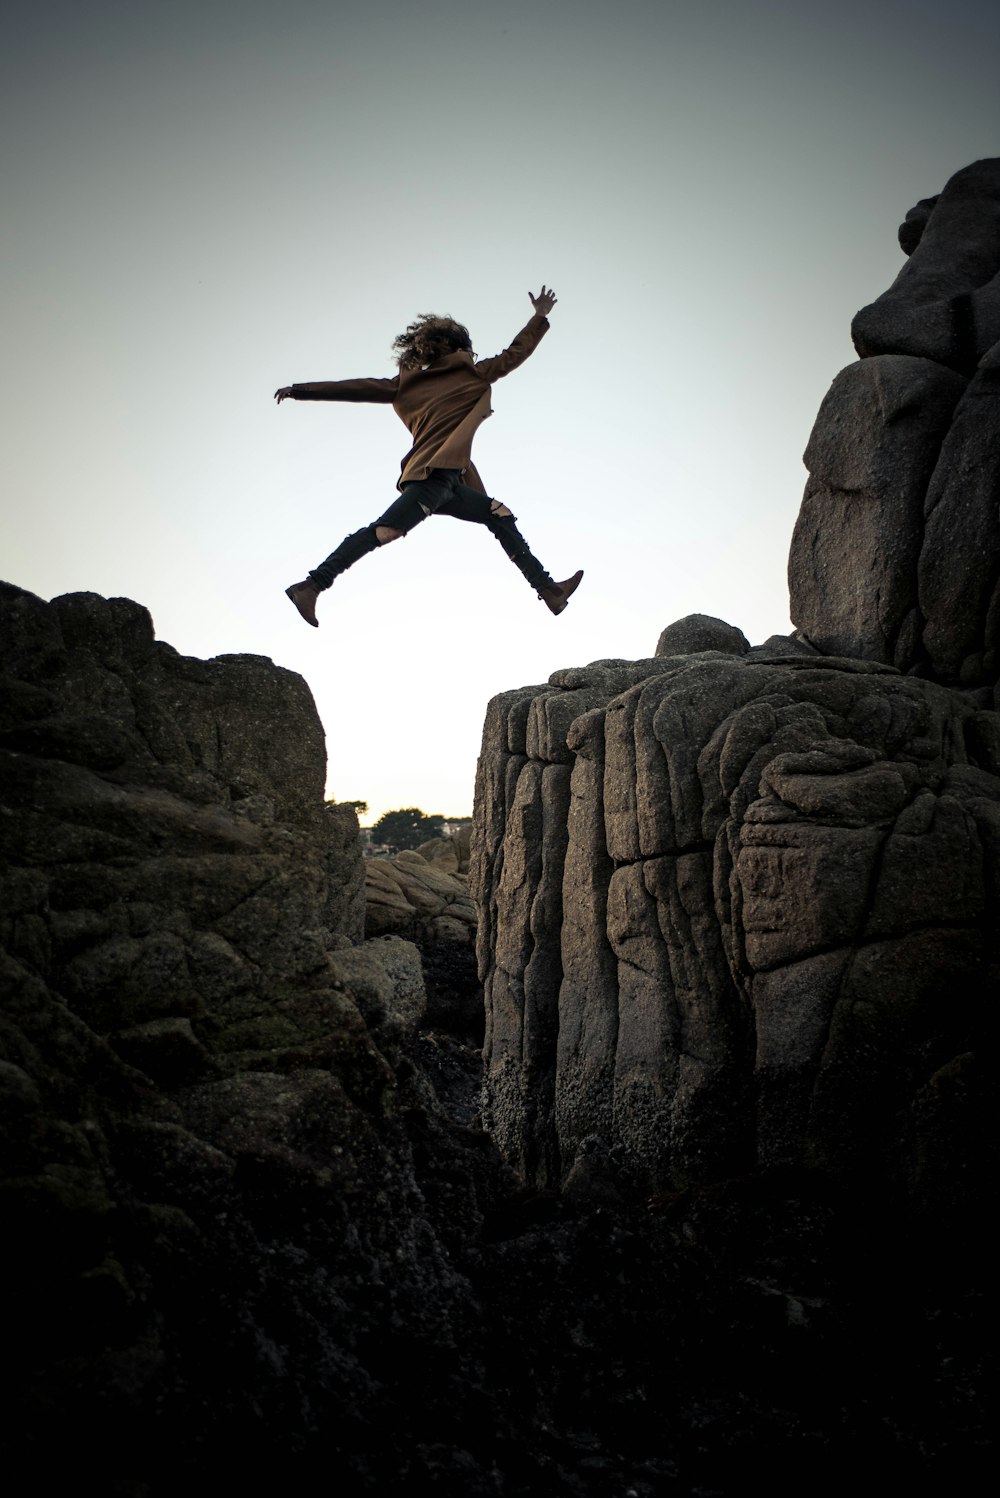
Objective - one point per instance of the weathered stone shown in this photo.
(911, 229)
(588, 1008)
(856, 547)
(943, 305)
(450, 854)
(748, 843)
(165, 1049)
(413, 897)
(738, 930)
(896, 551)
(959, 567)
(699, 632)
(523, 1021)
(206, 1181)
(386, 981)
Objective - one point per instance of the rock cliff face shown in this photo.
(217, 1233)
(739, 905)
(896, 553)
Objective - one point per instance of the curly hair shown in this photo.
(427, 339)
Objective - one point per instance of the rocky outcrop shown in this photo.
(167, 863)
(945, 303)
(218, 1235)
(738, 912)
(895, 555)
(738, 930)
(417, 898)
(449, 854)
(423, 896)
(738, 906)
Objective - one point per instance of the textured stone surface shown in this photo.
(701, 632)
(449, 854)
(959, 566)
(205, 1181)
(738, 928)
(896, 552)
(945, 303)
(739, 905)
(744, 925)
(857, 543)
(418, 898)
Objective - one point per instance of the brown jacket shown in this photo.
(442, 405)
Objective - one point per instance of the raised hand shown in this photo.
(543, 302)
(283, 394)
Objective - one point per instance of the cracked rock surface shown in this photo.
(745, 926)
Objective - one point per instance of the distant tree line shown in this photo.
(407, 828)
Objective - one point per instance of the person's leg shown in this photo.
(398, 520)
(467, 503)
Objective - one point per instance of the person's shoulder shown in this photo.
(460, 359)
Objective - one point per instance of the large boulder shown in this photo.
(857, 544)
(418, 898)
(218, 1236)
(945, 303)
(450, 852)
(739, 914)
(895, 555)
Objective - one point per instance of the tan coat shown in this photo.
(442, 406)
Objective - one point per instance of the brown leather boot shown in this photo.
(304, 596)
(557, 597)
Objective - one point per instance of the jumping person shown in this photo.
(441, 393)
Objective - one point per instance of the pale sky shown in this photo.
(205, 201)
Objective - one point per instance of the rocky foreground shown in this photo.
(714, 1217)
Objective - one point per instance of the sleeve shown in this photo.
(380, 391)
(524, 344)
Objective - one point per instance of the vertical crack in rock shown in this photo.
(774, 867)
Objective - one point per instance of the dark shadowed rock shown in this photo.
(959, 566)
(896, 552)
(856, 548)
(914, 224)
(945, 303)
(698, 632)
(207, 1189)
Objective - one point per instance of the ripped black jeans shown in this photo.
(441, 493)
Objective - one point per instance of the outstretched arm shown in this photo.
(526, 341)
(380, 391)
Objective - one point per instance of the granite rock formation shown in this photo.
(254, 1231)
(217, 1233)
(735, 913)
(738, 906)
(418, 897)
(423, 897)
(450, 853)
(896, 553)
(737, 927)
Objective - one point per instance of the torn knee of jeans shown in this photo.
(386, 533)
(499, 510)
